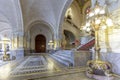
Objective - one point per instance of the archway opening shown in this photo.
(40, 44)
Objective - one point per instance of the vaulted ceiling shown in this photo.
(19, 14)
(10, 17)
(42, 10)
(49, 11)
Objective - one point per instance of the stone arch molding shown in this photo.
(72, 35)
(10, 12)
(40, 28)
(71, 32)
(32, 23)
(66, 6)
(88, 4)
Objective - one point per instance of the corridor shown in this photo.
(40, 67)
(37, 68)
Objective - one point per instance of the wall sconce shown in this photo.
(50, 43)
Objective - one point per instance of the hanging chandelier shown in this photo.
(98, 19)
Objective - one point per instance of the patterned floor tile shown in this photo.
(31, 65)
(41, 67)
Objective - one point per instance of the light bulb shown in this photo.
(97, 10)
(102, 11)
(88, 29)
(97, 21)
(109, 22)
(103, 27)
(87, 24)
(84, 28)
(91, 14)
(50, 41)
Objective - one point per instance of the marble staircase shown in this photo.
(65, 57)
(42, 68)
(72, 58)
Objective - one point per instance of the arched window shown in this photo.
(87, 10)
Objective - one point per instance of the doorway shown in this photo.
(40, 44)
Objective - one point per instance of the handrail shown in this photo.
(83, 46)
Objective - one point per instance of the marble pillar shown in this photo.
(17, 46)
(57, 44)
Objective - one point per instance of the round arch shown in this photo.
(36, 28)
(68, 39)
(68, 3)
(31, 24)
(40, 43)
(5, 26)
(88, 4)
(69, 35)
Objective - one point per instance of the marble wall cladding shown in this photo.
(116, 18)
(114, 59)
(85, 39)
(28, 51)
(112, 40)
(81, 58)
(16, 54)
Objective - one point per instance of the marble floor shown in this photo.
(40, 67)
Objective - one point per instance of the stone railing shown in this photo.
(72, 58)
(81, 58)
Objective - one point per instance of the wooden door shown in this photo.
(40, 44)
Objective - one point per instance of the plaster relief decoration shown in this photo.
(102, 39)
(15, 42)
(115, 36)
(113, 4)
(116, 18)
(68, 14)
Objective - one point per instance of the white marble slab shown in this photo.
(114, 59)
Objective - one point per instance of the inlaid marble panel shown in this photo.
(30, 65)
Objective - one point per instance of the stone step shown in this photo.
(65, 55)
(63, 61)
(68, 58)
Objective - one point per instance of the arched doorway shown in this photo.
(40, 44)
(69, 39)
